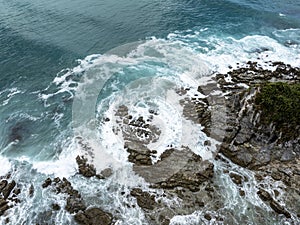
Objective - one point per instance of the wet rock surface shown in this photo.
(229, 115)
(9, 192)
(266, 197)
(253, 142)
(93, 216)
(86, 169)
(144, 199)
(180, 173)
(249, 140)
(75, 204)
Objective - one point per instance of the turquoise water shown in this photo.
(41, 41)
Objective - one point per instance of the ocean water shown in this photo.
(66, 63)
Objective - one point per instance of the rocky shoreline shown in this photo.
(247, 138)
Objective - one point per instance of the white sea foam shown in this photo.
(64, 166)
(5, 165)
(11, 93)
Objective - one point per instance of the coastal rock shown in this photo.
(144, 199)
(227, 109)
(266, 197)
(8, 194)
(3, 184)
(4, 207)
(75, 204)
(46, 183)
(279, 209)
(236, 178)
(86, 169)
(93, 216)
(8, 189)
(138, 153)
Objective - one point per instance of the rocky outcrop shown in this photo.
(178, 172)
(74, 200)
(9, 192)
(251, 137)
(190, 176)
(144, 199)
(254, 141)
(93, 216)
(86, 169)
(76, 205)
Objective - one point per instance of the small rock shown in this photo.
(207, 143)
(3, 184)
(106, 172)
(264, 195)
(31, 191)
(55, 207)
(47, 182)
(236, 178)
(242, 193)
(17, 191)
(207, 216)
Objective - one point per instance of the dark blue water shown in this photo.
(40, 40)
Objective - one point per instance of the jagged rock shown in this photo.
(138, 153)
(236, 178)
(3, 208)
(207, 216)
(93, 216)
(279, 209)
(87, 170)
(8, 189)
(55, 207)
(3, 184)
(46, 183)
(144, 199)
(264, 195)
(9, 194)
(74, 205)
